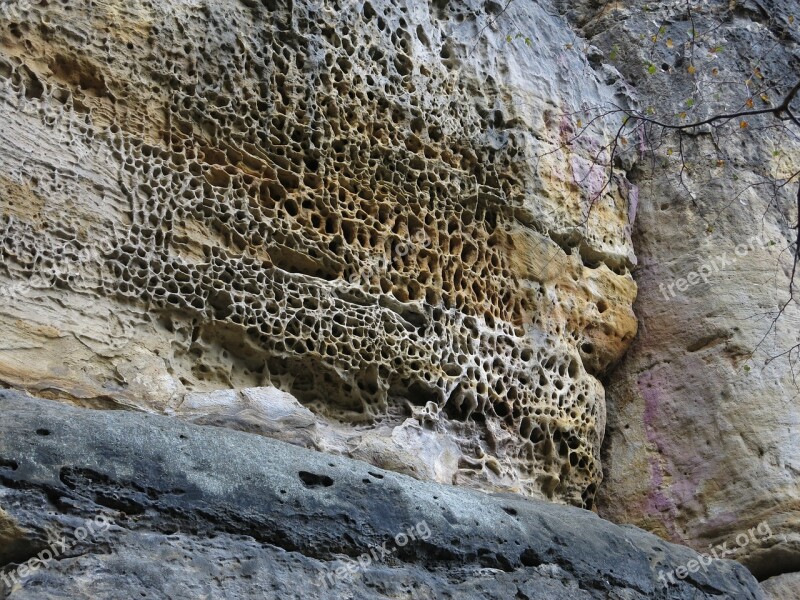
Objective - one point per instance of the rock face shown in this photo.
(364, 204)
(377, 228)
(134, 505)
(783, 586)
(702, 440)
(413, 447)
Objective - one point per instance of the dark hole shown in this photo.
(42, 432)
(529, 558)
(314, 480)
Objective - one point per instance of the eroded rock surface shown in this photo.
(174, 510)
(361, 203)
(702, 442)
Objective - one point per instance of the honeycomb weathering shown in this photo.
(340, 201)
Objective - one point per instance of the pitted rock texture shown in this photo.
(200, 512)
(364, 204)
(702, 441)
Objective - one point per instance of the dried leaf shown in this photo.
(691, 70)
(669, 43)
(749, 103)
(743, 124)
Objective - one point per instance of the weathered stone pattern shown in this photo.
(361, 203)
(173, 510)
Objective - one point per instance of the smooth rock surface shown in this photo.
(782, 587)
(419, 446)
(702, 442)
(149, 506)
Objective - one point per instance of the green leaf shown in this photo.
(746, 368)
(651, 69)
(690, 102)
(528, 41)
(509, 38)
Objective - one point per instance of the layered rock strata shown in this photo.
(377, 207)
(148, 506)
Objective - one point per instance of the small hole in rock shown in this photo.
(314, 480)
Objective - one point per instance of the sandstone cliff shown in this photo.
(703, 412)
(393, 230)
(365, 205)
